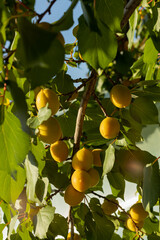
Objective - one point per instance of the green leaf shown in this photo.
(12, 187)
(151, 190)
(32, 176)
(131, 33)
(153, 237)
(89, 17)
(115, 237)
(40, 52)
(108, 160)
(12, 225)
(14, 143)
(63, 83)
(151, 227)
(156, 17)
(20, 106)
(41, 188)
(58, 226)
(128, 235)
(117, 184)
(151, 92)
(111, 13)
(39, 152)
(150, 52)
(43, 114)
(44, 218)
(97, 49)
(144, 111)
(66, 21)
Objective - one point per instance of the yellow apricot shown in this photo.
(137, 212)
(83, 159)
(120, 96)
(109, 127)
(50, 131)
(36, 91)
(76, 236)
(131, 226)
(109, 207)
(47, 96)
(94, 175)
(81, 180)
(96, 157)
(72, 196)
(59, 151)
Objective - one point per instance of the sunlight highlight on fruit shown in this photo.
(83, 159)
(81, 180)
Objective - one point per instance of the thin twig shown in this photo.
(82, 110)
(128, 10)
(123, 210)
(53, 194)
(100, 104)
(48, 10)
(71, 221)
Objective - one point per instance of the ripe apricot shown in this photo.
(131, 226)
(76, 236)
(109, 127)
(72, 196)
(137, 212)
(50, 131)
(109, 207)
(47, 96)
(94, 175)
(96, 157)
(59, 151)
(83, 159)
(120, 96)
(81, 180)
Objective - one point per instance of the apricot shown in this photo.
(47, 96)
(83, 159)
(36, 91)
(5, 101)
(109, 127)
(59, 151)
(94, 175)
(81, 180)
(120, 96)
(72, 196)
(96, 157)
(50, 131)
(137, 212)
(109, 207)
(76, 236)
(131, 226)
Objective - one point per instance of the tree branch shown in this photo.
(128, 10)
(48, 10)
(82, 110)
(100, 104)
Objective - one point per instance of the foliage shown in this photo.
(119, 45)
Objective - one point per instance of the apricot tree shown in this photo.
(67, 137)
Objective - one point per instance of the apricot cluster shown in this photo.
(121, 97)
(84, 177)
(50, 131)
(138, 215)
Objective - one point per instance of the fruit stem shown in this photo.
(100, 104)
